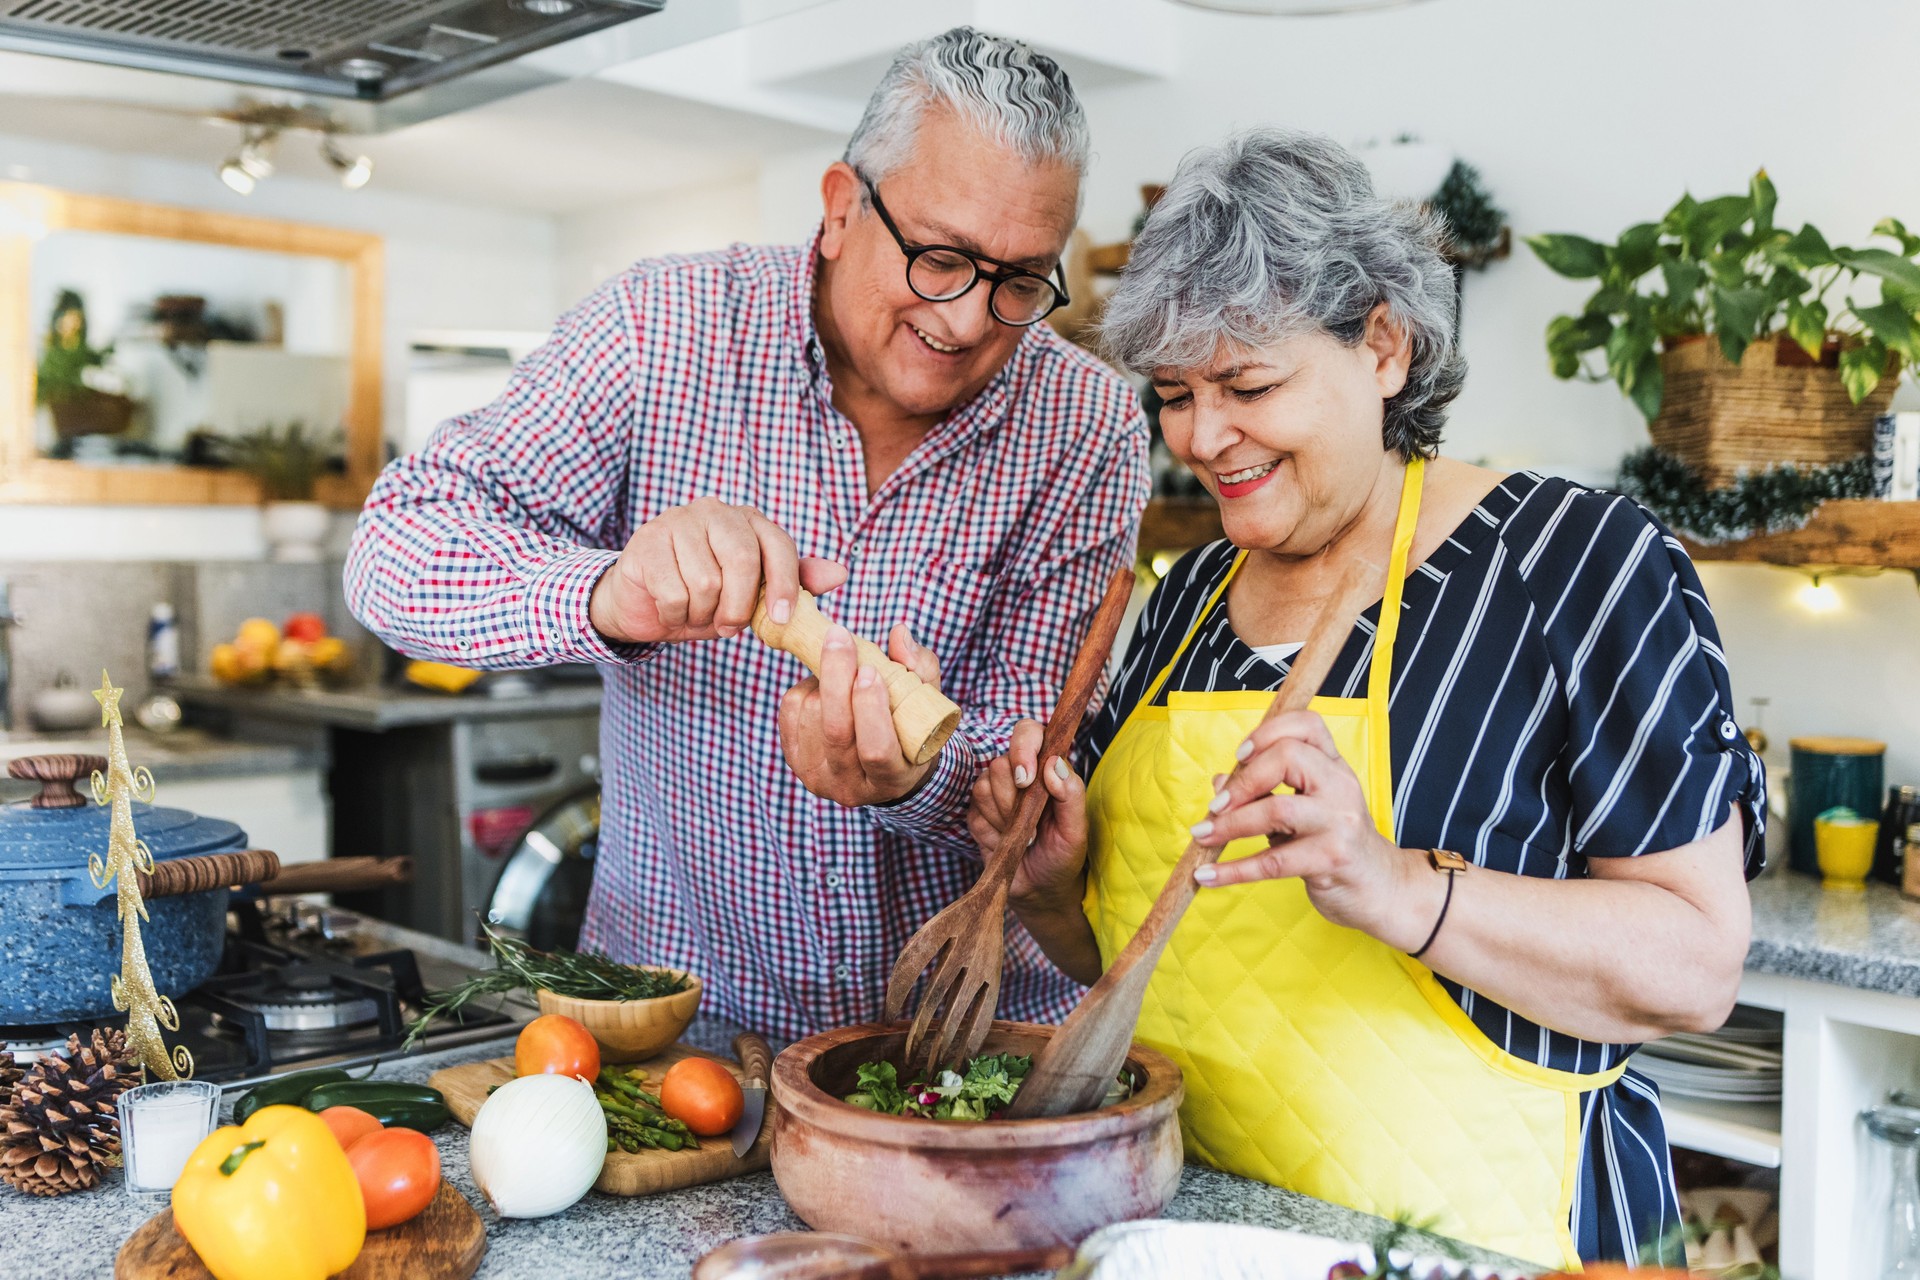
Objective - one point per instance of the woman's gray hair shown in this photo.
(1017, 97)
(1274, 233)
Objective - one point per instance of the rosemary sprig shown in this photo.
(582, 975)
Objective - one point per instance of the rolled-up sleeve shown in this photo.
(483, 548)
(1033, 630)
(1654, 756)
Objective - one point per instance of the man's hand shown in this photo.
(694, 573)
(836, 729)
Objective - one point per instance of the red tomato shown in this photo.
(703, 1095)
(349, 1124)
(399, 1174)
(306, 627)
(554, 1044)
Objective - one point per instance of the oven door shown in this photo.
(541, 894)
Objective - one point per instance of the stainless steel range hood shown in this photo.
(368, 52)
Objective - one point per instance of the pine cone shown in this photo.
(61, 1123)
(10, 1073)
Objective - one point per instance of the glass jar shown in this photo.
(1896, 1150)
(1889, 851)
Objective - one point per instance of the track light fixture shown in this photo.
(264, 124)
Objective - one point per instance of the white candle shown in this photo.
(160, 1125)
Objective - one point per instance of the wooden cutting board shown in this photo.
(445, 1242)
(639, 1173)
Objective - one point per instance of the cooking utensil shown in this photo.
(966, 940)
(821, 1255)
(923, 716)
(626, 1173)
(756, 1063)
(947, 1186)
(1073, 1072)
(445, 1242)
(60, 932)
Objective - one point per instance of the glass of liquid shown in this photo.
(160, 1125)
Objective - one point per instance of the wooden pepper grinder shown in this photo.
(922, 716)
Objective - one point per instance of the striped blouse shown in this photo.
(1559, 694)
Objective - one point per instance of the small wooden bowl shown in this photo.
(940, 1186)
(630, 1030)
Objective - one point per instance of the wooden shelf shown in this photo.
(1177, 524)
(1864, 532)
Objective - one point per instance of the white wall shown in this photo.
(595, 244)
(449, 266)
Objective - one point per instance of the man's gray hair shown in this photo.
(1017, 97)
(1274, 233)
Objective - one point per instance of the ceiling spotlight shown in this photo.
(546, 8)
(354, 170)
(252, 162)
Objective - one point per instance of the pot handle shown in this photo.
(197, 874)
(58, 777)
(339, 875)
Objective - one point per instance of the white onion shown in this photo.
(538, 1144)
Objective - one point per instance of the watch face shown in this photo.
(1447, 860)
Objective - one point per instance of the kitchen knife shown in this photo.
(756, 1062)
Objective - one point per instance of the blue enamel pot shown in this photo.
(59, 933)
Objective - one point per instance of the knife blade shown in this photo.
(756, 1063)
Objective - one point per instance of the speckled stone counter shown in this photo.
(1868, 940)
(656, 1237)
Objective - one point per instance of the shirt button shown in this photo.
(1727, 730)
(833, 880)
(842, 972)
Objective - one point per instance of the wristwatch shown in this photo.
(1453, 864)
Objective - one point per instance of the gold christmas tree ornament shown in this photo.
(148, 1012)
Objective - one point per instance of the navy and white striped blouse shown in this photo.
(1559, 694)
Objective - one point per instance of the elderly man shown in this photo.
(877, 414)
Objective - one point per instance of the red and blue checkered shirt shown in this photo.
(702, 375)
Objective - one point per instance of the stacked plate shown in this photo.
(1738, 1063)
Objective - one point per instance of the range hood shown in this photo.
(423, 56)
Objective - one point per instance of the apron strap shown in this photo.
(1206, 610)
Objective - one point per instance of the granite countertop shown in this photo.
(377, 708)
(655, 1237)
(1870, 940)
(181, 756)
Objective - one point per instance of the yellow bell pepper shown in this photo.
(440, 676)
(274, 1199)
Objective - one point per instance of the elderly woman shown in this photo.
(1509, 841)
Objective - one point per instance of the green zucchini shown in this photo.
(288, 1091)
(391, 1102)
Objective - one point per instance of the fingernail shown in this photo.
(1205, 875)
(838, 637)
(782, 611)
(913, 646)
(865, 679)
(1060, 769)
(1201, 829)
(1220, 802)
(728, 633)
(1020, 775)
(1244, 750)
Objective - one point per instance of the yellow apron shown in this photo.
(1316, 1057)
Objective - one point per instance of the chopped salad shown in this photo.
(981, 1093)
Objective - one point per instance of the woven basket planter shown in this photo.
(1776, 406)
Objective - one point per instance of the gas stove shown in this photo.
(309, 986)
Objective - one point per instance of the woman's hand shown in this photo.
(1053, 871)
(1321, 834)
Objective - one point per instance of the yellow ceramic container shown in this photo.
(1845, 849)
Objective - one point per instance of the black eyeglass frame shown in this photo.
(980, 263)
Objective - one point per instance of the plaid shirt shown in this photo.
(703, 375)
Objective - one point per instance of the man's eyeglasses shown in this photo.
(941, 273)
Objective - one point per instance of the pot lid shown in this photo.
(60, 828)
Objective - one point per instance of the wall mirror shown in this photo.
(136, 338)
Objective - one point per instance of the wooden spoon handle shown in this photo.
(923, 716)
(1063, 724)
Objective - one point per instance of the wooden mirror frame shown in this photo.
(26, 477)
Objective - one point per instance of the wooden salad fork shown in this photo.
(966, 942)
(1073, 1071)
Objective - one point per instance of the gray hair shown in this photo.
(1017, 97)
(1274, 233)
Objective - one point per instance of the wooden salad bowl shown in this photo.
(629, 1030)
(953, 1186)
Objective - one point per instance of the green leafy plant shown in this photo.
(287, 462)
(64, 361)
(1770, 501)
(1721, 267)
(1474, 221)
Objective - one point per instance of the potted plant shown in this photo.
(288, 463)
(1793, 374)
(85, 397)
